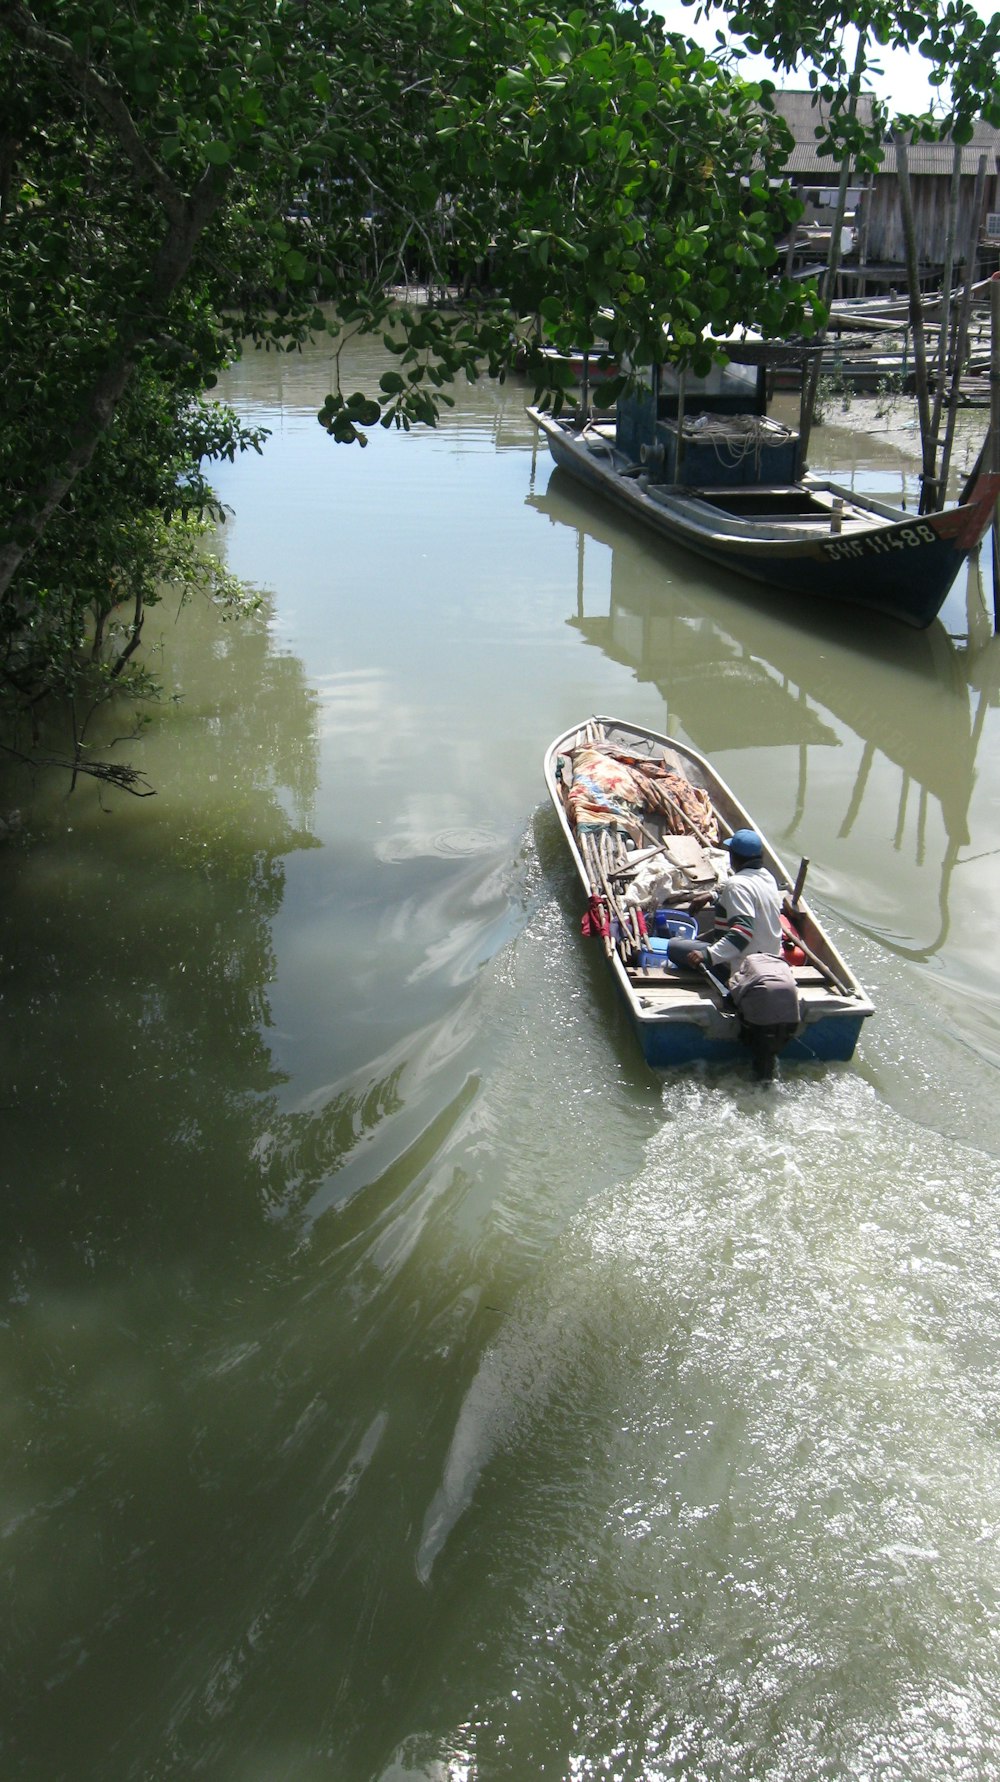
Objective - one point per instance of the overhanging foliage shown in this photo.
(180, 179)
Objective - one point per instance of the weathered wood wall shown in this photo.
(881, 221)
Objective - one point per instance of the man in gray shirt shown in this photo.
(747, 912)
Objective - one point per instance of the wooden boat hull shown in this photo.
(811, 539)
(599, 367)
(679, 1017)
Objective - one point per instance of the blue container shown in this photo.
(669, 925)
(675, 924)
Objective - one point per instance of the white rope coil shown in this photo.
(735, 438)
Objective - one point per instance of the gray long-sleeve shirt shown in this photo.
(748, 910)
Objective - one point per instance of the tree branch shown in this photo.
(110, 103)
(114, 773)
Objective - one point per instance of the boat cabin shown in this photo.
(712, 430)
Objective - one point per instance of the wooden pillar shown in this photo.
(930, 499)
(995, 432)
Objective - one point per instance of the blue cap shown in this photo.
(745, 844)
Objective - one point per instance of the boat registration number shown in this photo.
(899, 538)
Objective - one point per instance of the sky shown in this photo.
(902, 84)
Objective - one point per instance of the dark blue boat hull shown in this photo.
(831, 1039)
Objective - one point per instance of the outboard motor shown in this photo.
(766, 999)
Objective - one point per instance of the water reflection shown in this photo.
(143, 935)
(739, 670)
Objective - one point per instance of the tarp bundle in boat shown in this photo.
(602, 793)
(610, 794)
(610, 789)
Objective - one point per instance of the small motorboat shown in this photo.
(645, 818)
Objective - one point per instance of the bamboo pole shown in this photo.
(628, 920)
(929, 492)
(962, 321)
(810, 381)
(588, 856)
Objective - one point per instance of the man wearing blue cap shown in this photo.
(747, 912)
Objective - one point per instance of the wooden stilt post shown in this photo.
(931, 498)
(961, 340)
(811, 373)
(995, 432)
(944, 321)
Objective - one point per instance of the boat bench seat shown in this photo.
(806, 976)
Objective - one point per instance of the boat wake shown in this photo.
(754, 1388)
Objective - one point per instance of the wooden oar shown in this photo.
(822, 967)
(793, 910)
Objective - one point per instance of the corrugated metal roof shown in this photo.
(938, 157)
(802, 110)
(806, 158)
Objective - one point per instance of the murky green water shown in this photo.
(399, 1381)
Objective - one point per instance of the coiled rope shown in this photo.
(734, 438)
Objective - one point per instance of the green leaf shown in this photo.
(363, 410)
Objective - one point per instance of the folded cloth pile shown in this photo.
(603, 792)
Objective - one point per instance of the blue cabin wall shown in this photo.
(647, 433)
(636, 423)
(720, 465)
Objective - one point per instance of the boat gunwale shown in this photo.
(640, 487)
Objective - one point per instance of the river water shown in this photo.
(398, 1380)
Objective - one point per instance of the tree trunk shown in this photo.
(182, 236)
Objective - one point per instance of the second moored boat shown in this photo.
(700, 462)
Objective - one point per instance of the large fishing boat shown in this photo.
(700, 461)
